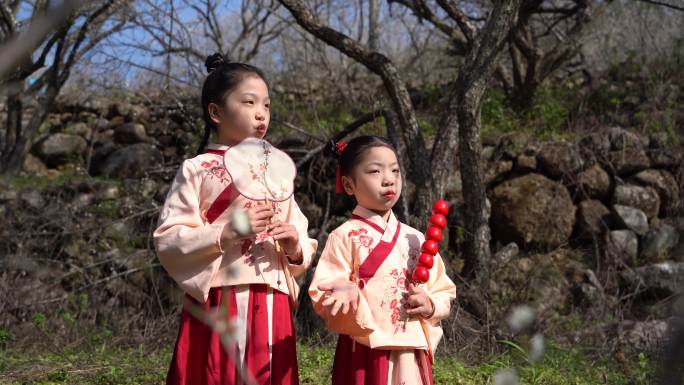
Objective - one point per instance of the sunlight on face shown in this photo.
(246, 112)
(375, 181)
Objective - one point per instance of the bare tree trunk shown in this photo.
(13, 124)
(379, 64)
(63, 47)
(17, 155)
(373, 24)
(402, 208)
(530, 64)
(461, 119)
(470, 87)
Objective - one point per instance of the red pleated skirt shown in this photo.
(357, 364)
(199, 357)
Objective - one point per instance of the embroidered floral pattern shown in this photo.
(360, 237)
(215, 169)
(396, 298)
(262, 237)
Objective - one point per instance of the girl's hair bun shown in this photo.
(214, 61)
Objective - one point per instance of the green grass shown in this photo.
(101, 361)
(557, 367)
(547, 117)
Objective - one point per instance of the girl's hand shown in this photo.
(259, 218)
(420, 302)
(247, 223)
(288, 237)
(341, 295)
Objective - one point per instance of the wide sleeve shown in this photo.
(441, 290)
(308, 245)
(335, 265)
(187, 247)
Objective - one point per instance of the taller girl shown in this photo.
(199, 247)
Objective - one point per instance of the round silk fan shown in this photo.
(260, 171)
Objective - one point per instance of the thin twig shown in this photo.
(348, 129)
(663, 4)
(300, 130)
(13, 51)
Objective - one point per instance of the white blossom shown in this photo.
(520, 318)
(506, 376)
(536, 347)
(240, 222)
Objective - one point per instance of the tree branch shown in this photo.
(460, 18)
(663, 4)
(383, 67)
(22, 45)
(477, 69)
(423, 12)
(81, 36)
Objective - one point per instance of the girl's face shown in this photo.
(245, 112)
(375, 181)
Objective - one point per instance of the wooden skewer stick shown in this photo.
(426, 331)
(286, 270)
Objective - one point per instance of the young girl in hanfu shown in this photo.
(361, 286)
(216, 265)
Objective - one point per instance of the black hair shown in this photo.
(356, 148)
(223, 77)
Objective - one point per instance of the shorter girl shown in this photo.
(361, 286)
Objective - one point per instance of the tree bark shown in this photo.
(22, 146)
(382, 66)
(461, 119)
(531, 65)
(476, 72)
(13, 123)
(69, 46)
(373, 24)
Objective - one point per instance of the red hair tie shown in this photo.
(339, 146)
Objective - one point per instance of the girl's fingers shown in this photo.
(281, 226)
(417, 310)
(345, 308)
(277, 230)
(413, 289)
(413, 300)
(336, 308)
(285, 235)
(328, 301)
(260, 223)
(265, 214)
